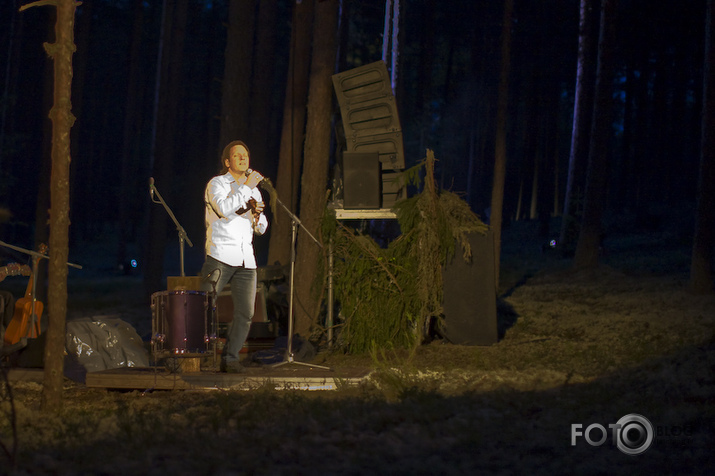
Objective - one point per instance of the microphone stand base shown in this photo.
(290, 360)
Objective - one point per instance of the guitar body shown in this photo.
(23, 323)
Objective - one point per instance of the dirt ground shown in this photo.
(580, 352)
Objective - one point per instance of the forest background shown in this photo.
(160, 87)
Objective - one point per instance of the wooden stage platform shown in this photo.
(290, 376)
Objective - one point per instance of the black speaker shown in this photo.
(361, 180)
(470, 313)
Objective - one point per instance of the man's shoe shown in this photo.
(233, 368)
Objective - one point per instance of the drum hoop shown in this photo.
(179, 292)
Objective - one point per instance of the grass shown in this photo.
(577, 348)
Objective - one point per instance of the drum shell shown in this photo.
(181, 322)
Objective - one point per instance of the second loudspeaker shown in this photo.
(361, 180)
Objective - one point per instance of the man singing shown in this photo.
(234, 212)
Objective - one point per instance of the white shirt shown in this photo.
(229, 236)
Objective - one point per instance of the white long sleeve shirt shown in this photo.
(229, 236)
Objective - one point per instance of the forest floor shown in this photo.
(578, 348)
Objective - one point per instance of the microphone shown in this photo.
(151, 187)
(266, 185)
(265, 182)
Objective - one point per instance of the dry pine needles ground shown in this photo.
(578, 348)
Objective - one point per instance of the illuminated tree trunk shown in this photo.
(317, 156)
(62, 120)
(497, 203)
(293, 132)
(589, 239)
(701, 271)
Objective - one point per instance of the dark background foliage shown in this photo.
(446, 93)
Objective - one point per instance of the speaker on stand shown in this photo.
(371, 126)
(361, 180)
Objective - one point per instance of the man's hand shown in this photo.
(257, 208)
(253, 179)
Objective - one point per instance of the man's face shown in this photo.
(238, 159)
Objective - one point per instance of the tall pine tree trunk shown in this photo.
(589, 239)
(293, 131)
(497, 202)
(62, 120)
(582, 116)
(317, 156)
(701, 270)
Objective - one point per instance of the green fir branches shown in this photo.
(389, 296)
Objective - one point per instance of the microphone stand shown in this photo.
(36, 256)
(183, 237)
(289, 357)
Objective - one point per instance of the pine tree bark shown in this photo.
(702, 280)
(589, 239)
(317, 156)
(293, 131)
(582, 116)
(62, 120)
(497, 201)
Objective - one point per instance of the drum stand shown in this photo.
(289, 357)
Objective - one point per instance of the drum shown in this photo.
(181, 322)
